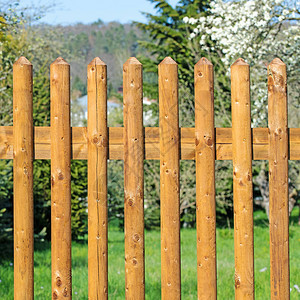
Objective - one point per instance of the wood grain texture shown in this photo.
(97, 136)
(242, 180)
(260, 146)
(60, 180)
(23, 179)
(133, 180)
(278, 180)
(205, 180)
(169, 179)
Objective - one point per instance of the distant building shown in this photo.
(79, 112)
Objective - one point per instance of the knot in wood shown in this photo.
(95, 140)
(58, 281)
(278, 131)
(65, 292)
(241, 183)
(60, 176)
(208, 141)
(237, 281)
(25, 170)
(136, 237)
(130, 202)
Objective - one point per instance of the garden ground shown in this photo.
(225, 260)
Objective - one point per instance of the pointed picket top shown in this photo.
(59, 61)
(22, 61)
(132, 61)
(97, 62)
(168, 61)
(276, 61)
(203, 61)
(277, 73)
(240, 62)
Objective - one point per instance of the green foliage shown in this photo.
(6, 200)
(169, 36)
(9, 47)
(79, 85)
(39, 49)
(42, 196)
(224, 192)
(115, 194)
(41, 97)
(79, 198)
(151, 194)
(113, 42)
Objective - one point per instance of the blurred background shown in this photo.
(150, 30)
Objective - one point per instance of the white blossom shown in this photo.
(285, 12)
(249, 29)
(192, 35)
(185, 19)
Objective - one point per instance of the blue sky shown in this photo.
(87, 11)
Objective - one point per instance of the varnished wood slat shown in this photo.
(205, 180)
(60, 180)
(260, 142)
(133, 180)
(242, 180)
(97, 180)
(23, 180)
(169, 180)
(278, 180)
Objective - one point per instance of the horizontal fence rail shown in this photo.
(79, 143)
(168, 143)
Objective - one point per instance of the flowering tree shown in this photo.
(258, 31)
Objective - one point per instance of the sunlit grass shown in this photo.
(225, 258)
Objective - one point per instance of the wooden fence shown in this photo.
(133, 143)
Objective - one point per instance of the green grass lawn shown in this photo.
(225, 258)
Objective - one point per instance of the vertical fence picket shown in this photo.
(205, 180)
(23, 179)
(169, 179)
(60, 179)
(278, 180)
(134, 179)
(242, 180)
(97, 179)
